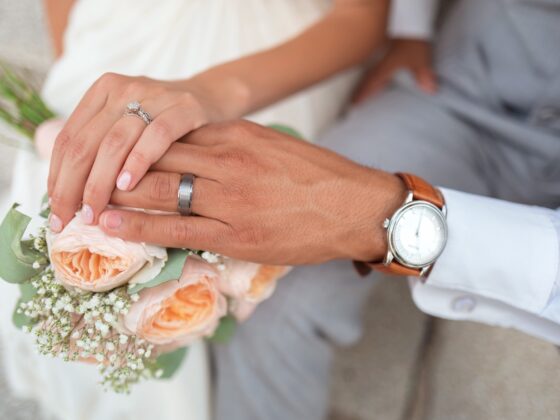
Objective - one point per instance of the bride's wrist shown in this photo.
(223, 97)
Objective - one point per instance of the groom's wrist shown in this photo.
(377, 199)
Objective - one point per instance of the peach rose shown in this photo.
(176, 313)
(45, 136)
(248, 284)
(84, 257)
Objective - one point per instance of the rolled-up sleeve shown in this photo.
(500, 266)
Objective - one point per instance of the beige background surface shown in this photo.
(408, 366)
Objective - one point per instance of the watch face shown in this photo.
(418, 234)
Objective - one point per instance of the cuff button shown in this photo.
(463, 304)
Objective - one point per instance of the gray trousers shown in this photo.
(492, 129)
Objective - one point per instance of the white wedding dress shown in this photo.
(168, 40)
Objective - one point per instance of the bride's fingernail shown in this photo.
(111, 220)
(123, 181)
(87, 214)
(55, 223)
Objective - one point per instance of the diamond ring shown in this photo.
(135, 109)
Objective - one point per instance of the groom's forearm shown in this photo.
(262, 196)
(343, 38)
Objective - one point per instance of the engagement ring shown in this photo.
(135, 109)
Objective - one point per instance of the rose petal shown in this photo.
(179, 312)
(83, 256)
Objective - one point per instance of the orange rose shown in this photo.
(177, 313)
(84, 257)
(248, 284)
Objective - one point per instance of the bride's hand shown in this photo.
(100, 147)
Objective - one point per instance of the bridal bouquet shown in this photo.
(130, 308)
(22, 110)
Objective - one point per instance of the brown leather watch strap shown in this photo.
(421, 190)
(364, 268)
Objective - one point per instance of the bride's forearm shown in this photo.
(57, 12)
(344, 38)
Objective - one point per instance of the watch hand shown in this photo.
(420, 219)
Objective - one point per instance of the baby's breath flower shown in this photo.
(109, 318)
(74, 325)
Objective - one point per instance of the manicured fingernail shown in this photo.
(50, 201)
(87, 214)
(111, 220)
(55, 223)
(123, 181)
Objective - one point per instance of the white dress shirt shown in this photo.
(412, 18)
(500, 266)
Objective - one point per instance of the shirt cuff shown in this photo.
(499, 250)
(412, 18)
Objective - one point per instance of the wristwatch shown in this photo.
(416, 233)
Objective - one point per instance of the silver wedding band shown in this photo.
(185, 194)
(135, 109)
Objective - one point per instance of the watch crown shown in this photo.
(386, 223)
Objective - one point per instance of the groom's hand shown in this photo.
(262, 196)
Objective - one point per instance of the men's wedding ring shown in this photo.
(185, 194)
(135, 109)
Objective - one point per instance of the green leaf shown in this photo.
(172, 270)
(286, 130)
(31, 115)
(25, 101)
(45, 208)
(41, 107)
(20, 320)
(16, 257)
(170, 362)
(225, 330)
(27, 291)
(15, 82)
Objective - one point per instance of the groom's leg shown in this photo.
(277, 365)
(403, 130)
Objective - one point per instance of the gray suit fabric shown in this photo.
(492, 129)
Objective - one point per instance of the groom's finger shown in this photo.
(187, 158)
(167, 128)
(168, 231)
(158, 191)
(207, 136)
